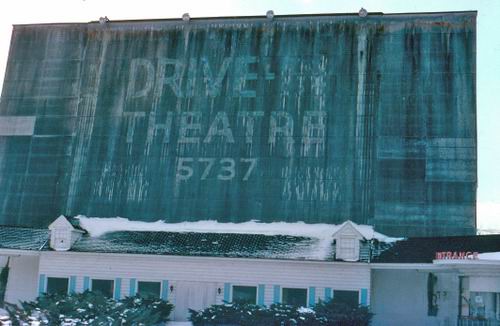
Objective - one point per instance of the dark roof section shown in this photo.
(423, 250)
(75, 222)
(171, 243)
(20, 238)
(200, 244)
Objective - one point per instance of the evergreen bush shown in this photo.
(337, 313)
(331, 313)
(90, 308)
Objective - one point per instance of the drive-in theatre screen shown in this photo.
(297, 118)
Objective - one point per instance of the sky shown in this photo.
(488, 50)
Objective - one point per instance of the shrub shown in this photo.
(330, 313)
(90, 308)
(250, 315)
(337, 313)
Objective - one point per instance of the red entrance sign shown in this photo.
(456, 255)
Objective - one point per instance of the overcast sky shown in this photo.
(488, 50)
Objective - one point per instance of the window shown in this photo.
(484, 305)
(149, 289)
(57, 285)
(245, 294)
(347, 248)
(350, 298)
(103, 286)
(295, 297)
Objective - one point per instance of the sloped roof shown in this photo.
(200, 244)
(366, 231)
(295, 241)
(175, 243)
(423, 250)
(97, 226)
(22, 238)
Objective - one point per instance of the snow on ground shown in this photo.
(489, 256)
(5, 321)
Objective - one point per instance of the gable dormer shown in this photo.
(347, 242)
(62, 234)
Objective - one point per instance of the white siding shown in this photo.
(400, 298)
(220, 297)
(484, 284)
(341, 276)
(22, 284)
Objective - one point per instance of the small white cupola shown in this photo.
(62, 234)
(347, 239)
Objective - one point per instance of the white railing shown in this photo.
(476, 322)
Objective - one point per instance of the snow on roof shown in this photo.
(368, 232)
(489, 256)
(98, 226)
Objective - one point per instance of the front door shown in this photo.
(193, 295)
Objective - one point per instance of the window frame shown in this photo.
(150, 281)
(113, 290)
(492, 309)
(497, 307)
(52, 276)
(245, 285)
(295, 288)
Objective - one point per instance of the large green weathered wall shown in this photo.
(307, 118)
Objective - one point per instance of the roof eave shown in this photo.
(18, 252)
(467, 262)
(183, 257)
(420, 266)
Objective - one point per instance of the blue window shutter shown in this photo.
(227, 292)
(261, 291)
(72, 284)
(86, 283)
(364, 297)
(118, 288)
(41, 284)
(164, 290)
(132, 284)
(312, 296)
(328, 294)
(276, 294)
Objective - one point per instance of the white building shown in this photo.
(197, 264)
(438, 281)
(191, 264)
